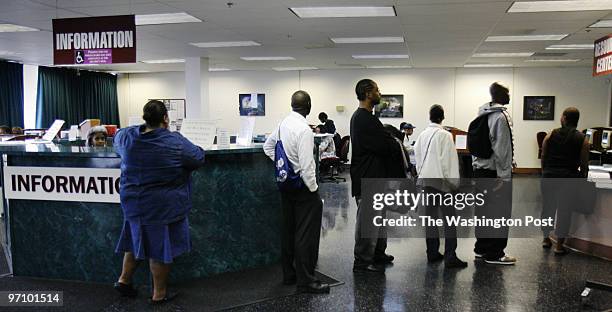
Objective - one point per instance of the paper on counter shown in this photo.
(245, 134)
(461, 141)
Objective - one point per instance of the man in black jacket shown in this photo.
(374, 150)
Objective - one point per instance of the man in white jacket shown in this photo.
(438, 168)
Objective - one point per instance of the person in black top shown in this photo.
(374, 151)
(564, 151)
(328, 124)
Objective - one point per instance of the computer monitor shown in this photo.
(589, 135)
(606, 136)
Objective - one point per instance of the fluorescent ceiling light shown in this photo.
(167, 61)
(510, 54)
(602, 24)
(315, 12)
(554, 60)
(487, 65)
(218, 69)
(7, 53)
(15, 28)
(128, 71)
(225, 44)
(588, 46)
(267, 58)
(165, 18)
(383, 56)
(369, 40)
(293, 68)
(525, 38)
(560, 6)
(388, 66)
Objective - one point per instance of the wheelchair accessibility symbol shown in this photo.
(78, 58)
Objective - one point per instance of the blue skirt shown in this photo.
(160, 242)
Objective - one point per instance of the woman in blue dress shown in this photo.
(155, 190)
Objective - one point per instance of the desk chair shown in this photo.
(540, 137)
(333, 164)
(343, 150)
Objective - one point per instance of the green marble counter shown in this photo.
(234, 223)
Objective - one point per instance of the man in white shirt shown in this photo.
(438, 169)
(301, 208)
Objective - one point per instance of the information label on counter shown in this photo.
(98, 185)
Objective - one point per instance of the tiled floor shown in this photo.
(539, 282)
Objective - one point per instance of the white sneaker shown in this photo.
(505, 260)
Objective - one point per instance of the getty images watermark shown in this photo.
(487, 208)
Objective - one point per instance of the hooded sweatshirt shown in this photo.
(501, 141)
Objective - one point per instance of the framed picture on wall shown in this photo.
(539, 108)
(390, 106)
(253, 104)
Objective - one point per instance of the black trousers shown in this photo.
(491, 242)
(432, 238)
(367, 245)
(301, 231)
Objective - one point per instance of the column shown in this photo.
(196, 88)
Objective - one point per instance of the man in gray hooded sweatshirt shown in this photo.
(495, 175)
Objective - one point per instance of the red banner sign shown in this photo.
(602, 60)
(94, 40)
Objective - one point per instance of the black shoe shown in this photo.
(169, 297)
(454, 263)
(290, 281)
(125, 290)
(383, 259)
(435, 257)
(314, 288)
(371, 268)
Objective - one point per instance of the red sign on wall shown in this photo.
(602, 60)
(94, 40)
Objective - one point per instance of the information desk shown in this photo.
(592, 234)
(234, 223)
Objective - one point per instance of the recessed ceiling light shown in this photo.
(166, 61)
(267, 58)
(588, 46)
(554, 60)
(560, 6)
(602, 24)
(316, 12)
(381, 56)
(218, 69)
(165, 18)
(15, 28)
(225, 44)
(509, 54)
(388, 66)
(369, 40)
(487, 65)
(293, 68)
(525, 38)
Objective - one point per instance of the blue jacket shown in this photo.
(156, 168)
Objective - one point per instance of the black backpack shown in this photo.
(478, 140)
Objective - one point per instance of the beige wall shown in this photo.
(460, 91)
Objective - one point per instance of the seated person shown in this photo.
(5, 130)
(96, 137)
(17, 130)
(328, 124)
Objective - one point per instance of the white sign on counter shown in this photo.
(223, 138)
(245, 134)
(96, 185)
(461, 141)
(199, 132)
